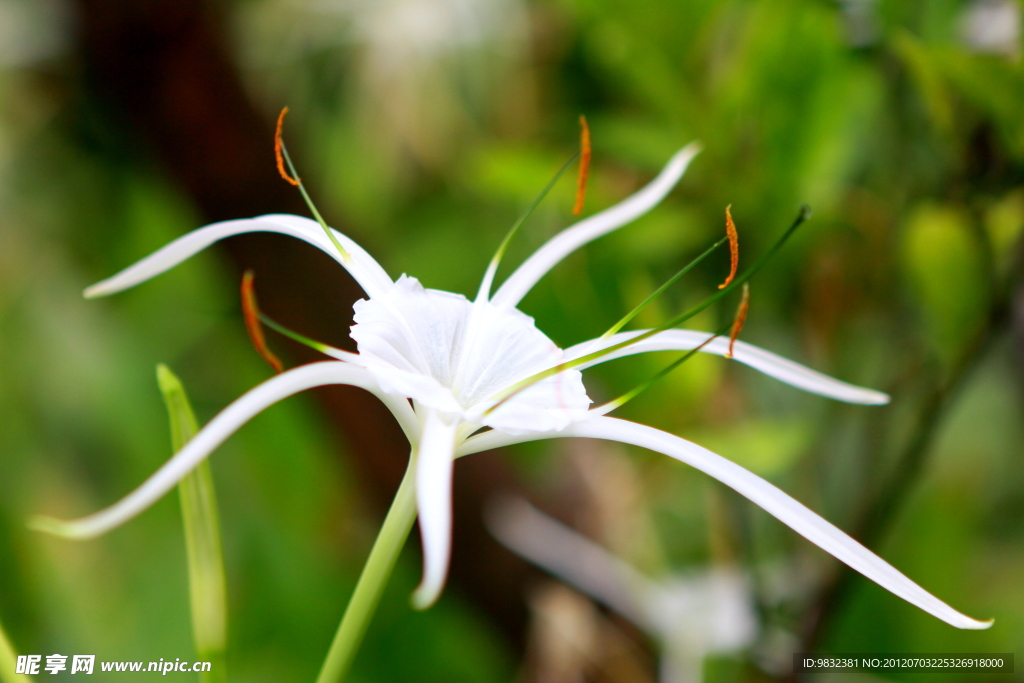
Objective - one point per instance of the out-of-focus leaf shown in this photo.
(928, 78)
(1004, 222)
(944, 264)
(992, 84)
(767, 447)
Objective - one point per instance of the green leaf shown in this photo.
(207, 584)
(1004, 223)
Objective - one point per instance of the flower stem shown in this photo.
(372, 580)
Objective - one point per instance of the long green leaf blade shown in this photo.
(207, 584)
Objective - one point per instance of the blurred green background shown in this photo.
(423, 127)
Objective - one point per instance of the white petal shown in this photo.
(770, 364)
(340, 354)
(569, 240)
(409, 335)
(215, 433)
(454, 356)
(494, 438)
(550, 404)
(575, 558)
(705, 611)
(777, 503)
(367, 272)
(434, 504)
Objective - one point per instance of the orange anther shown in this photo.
(741, 317)
(734, 247)
(277, 149)
(581, 183)
(251, 313)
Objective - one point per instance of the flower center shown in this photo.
(452, 355)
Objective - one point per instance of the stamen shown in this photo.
(741, 317)
(282, 156)
(251, 313)
(633, 393)
(278, 145)
(658, 292)
(734, 247)
(492, 267)
(327, 349)
(504, 395)
(581, 183)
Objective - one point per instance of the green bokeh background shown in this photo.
(426, 127)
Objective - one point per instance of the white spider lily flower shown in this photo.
(438, 361)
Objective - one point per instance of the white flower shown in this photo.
(438, 361)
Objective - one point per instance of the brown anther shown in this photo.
(251, 313)
(581, 183)
(277, 149)
(734, 247)
(741, 317)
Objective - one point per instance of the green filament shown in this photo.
(660, 290)
(295, 336)
(506, 394)
(500, 253)
(640, 388)
(345, 256)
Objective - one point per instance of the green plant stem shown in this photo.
(8, 662)
(372, 580)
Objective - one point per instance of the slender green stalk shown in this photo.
(345, 256)
(295, 336)
(533, 205)
(492, 268)
(8, 662)
(660, 290)
(207, 584)
(640, 388)
(372, 580)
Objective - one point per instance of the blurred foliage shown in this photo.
(425, 126)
